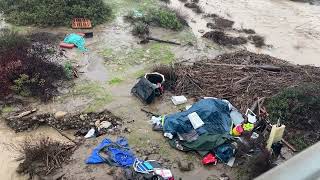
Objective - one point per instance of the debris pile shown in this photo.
(222, 38)
(223, 33)
(240, 77)
(81, 122)
(44, 156)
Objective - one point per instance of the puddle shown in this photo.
(94, 69)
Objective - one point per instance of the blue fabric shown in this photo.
(77, 40)
(214, 113)
(119, 152)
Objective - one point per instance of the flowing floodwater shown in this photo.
(291, 28)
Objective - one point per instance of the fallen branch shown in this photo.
(148, 112)
(264, 67)
(256, 104)
(162, 41)
(25, 113)
(64, 135)
(289, 145)
(242, 80)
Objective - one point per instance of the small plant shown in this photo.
(167, 19)
(161, 17)
(140, 29)
(20, 85)
(68, 69)
(115, 80)
(24, 84)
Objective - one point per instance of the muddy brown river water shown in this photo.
(293, 30)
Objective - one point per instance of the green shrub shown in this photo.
(11, 39)
(23, 84)
(140, 29)
(299, 109)
(166, 18)
(293, 105)
(68, 69)
(54, 12)
(161, 17)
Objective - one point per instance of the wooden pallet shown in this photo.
(81, 23)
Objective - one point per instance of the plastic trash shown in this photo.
(168, 135)
(156, 120)
(254, 135)
(177, 100)
(209, 159)
(188, 107)
(104, 125)
(237, 130)
(248, 127)
(236, 117)
(90, 133)
(195, 120)
(165, 173)
(252, 118)
(231, 161)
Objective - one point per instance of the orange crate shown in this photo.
(81, 23)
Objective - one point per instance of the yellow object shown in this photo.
(236, 131)
(248, 127)
(275, 135)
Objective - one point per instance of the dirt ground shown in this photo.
(115, 60)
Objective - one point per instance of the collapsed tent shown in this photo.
(215, 131)
(215, 114)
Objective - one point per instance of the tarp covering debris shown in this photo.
(76, 40)
(215, 114)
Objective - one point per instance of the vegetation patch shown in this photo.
(54, 13)
(100, 97)
(28, 65)
(115, 81)
(161, 17)
(152, 53)
(299, 109)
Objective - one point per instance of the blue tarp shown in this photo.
(119, 153)
(215, 114)
(77, 40)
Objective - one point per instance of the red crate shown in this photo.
(81, 23)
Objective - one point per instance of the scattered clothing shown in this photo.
(203, 145)
(113, 153)
(189, 137)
